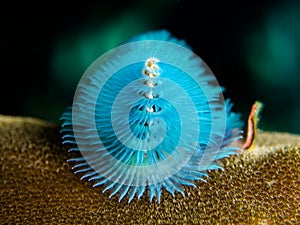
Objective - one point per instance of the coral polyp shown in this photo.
(149, 115)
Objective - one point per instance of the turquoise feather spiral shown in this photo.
(149, 115)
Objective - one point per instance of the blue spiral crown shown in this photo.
(148, 115)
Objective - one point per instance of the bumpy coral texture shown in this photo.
(145, 157)
(38, 187)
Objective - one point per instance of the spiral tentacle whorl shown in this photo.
(149, 115)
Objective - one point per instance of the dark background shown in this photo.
(253, 48)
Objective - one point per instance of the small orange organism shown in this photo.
(252, 129)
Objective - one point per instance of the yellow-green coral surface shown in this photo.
(261, 186)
